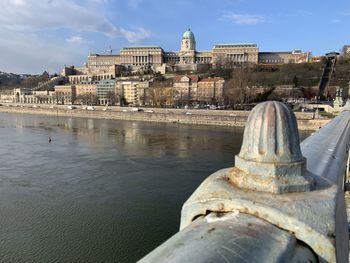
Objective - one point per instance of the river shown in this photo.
(102, 190)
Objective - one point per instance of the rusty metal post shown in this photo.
(272, 182)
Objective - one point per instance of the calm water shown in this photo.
(102, 190)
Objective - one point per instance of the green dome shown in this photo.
(188, 35)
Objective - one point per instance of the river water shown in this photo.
(102, 190)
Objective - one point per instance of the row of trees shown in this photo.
(242, 88)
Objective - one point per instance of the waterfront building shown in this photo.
(133, 92)
(86, 88)
(105, 90)
(7, 96)
(86, 93)
(190, 88)
(186, 87)
(21, 95)
(210, 90)
(43, 96)
(64, 94)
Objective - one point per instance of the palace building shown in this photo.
(188, 58)
(134, 58)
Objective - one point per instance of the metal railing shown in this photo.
(282, 202)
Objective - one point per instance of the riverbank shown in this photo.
(199, 117)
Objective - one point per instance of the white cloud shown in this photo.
(19, 2)
(336, 20)
(75, 39)
(137, 35)
(62, 14)
(78, 40)
(34, 33)
(245, 19)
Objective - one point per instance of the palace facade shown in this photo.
(188, 58)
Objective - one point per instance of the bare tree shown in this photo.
(112, 98)
(346, 51)
(87, 99)
(161, 96)
(237, 90)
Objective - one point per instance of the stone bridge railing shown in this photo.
(282, 202)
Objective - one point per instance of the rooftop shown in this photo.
(103, 55)
(278, 52)
(141, 47)
(235, 45)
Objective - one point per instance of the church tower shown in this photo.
(188, 42)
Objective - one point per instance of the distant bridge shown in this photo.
(282, 202)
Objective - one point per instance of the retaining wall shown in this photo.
(197, 117)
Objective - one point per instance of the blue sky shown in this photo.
(38, 35)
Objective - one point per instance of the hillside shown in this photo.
(305, 74)
(11, 80)
(341, 75)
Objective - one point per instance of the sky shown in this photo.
(39, 35)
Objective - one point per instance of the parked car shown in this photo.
(307, 110)
(136, 109)
(90, 108)
(71, 107)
